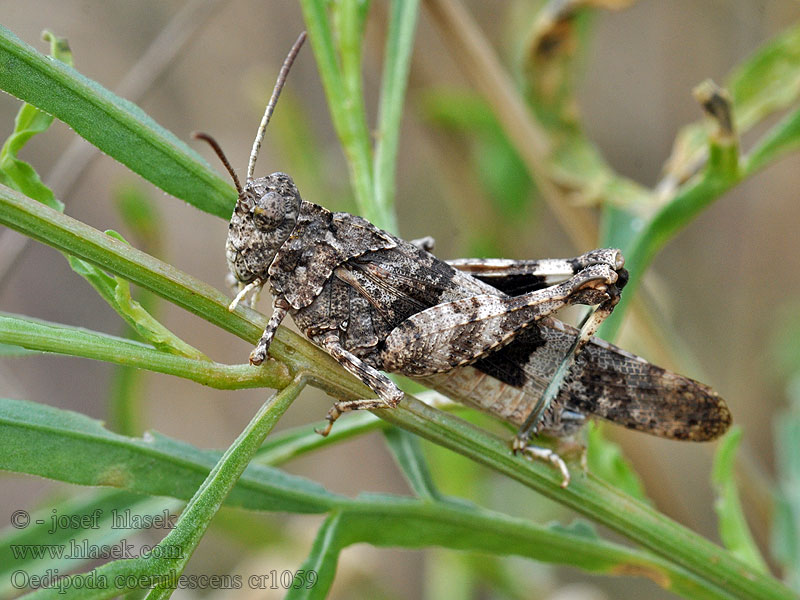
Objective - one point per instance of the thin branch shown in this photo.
(481, 64)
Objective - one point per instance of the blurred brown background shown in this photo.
(723, 282)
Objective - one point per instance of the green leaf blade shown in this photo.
(117, 127)
(322, 560)
(408, 455)
(67, 446)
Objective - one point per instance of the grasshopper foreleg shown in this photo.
(256, 285)
(279, 310)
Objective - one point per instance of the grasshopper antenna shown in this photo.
(276, 92)
(199, 135)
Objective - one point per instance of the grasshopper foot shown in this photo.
(388, 400)
(544, 455)
(333, 414)
(258, 355)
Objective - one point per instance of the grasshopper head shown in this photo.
(267, 208)
(262, 221)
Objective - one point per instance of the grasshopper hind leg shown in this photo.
(426, 243)
(589, 327)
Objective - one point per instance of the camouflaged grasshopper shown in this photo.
(481, 331)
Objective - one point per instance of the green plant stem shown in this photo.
(341, 79)
(586, 495)
(73, 341)
(723, 171)
(731, 521)
(64, 233)
(168, 559)
(594, 498)
(290, 443)
(399, 46)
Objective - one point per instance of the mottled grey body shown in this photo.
(376, 302)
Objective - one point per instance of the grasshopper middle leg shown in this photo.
(389, 395)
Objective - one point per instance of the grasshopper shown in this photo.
(479, 330)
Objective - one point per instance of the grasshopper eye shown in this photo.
(269, 211)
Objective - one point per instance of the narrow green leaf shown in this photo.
(339, 62)
(68, 235)
(208, 498)
(290, 443)
(297, 441)
(397, 58)
(161, 570)
(117, 127)
(732, 524)
(23, 177)
(579, 528)
(348, 18)
(116, 291)
(321, 561)
(67, 446)
(378, 520)
(30, 121)
(605, 459)
(408, 455)
(142, 321)
(585, 494)
(166, 467)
